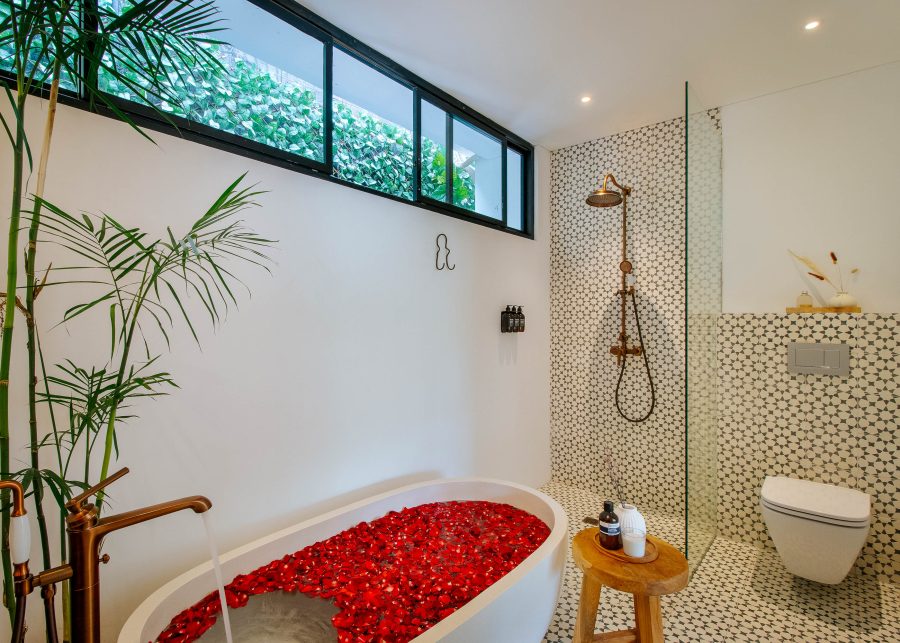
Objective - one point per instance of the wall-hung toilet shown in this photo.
(818, 529)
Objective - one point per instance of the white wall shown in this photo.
(355, 368)
(813, 169)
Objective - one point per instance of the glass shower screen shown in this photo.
(703, 305)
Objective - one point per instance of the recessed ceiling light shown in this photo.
(585, 99)
(809, 26)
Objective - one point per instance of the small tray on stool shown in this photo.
(651, 552)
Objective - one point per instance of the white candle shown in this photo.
(633, 541)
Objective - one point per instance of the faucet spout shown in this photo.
(197, 504)
(86, 533)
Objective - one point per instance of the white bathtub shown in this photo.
(515, 609)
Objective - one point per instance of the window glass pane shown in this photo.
(270, 90)
(434, 152)
(40, 62)
(373, 122)
(514, 188)
(7, 48)
(477, 171)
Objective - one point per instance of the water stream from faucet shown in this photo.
(217, 568)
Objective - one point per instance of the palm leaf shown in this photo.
(141, 47)
(140, 281)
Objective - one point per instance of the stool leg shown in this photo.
(587, 610)
(648, 619)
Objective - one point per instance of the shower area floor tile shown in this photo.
(740, 592)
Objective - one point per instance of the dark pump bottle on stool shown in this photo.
(610, 531)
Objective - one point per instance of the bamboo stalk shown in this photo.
(30, 260)
(30, 295)
(12, 276)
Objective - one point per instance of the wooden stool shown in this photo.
(647, 581)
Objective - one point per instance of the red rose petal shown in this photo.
(392, 578)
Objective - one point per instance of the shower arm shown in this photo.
(609, 177)
(625, 266)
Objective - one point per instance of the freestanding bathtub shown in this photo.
(515, 609)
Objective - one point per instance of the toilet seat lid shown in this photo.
(817, 499)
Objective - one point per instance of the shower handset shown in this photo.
(606, 198)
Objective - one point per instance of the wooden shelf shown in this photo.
(805, 310)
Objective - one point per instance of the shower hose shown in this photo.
(637, 320)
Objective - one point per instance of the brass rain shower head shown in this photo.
(606, 198)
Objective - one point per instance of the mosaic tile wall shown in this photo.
(828, 429)
(584, 315)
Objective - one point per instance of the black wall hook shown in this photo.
(437, 255)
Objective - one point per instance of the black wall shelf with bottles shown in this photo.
(512, 320)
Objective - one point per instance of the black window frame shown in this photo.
(332, 36)
(452, 115)
(523, 182)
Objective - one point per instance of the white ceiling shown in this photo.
(526, 63)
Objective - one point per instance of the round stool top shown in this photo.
(665, 575)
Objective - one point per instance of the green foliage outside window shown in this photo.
(434, 177)
(244, 100)
(371, 151)
(434, 170)
(378, 154)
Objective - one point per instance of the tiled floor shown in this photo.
(739, 593)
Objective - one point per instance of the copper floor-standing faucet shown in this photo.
(86, 531)
(606, 198)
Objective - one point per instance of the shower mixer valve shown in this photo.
(622, 350)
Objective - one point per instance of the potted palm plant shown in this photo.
(54, 47)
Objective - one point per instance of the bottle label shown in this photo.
(610, 528)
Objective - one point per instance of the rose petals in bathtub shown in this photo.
(392, 578)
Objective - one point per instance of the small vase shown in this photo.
(805, 300)
(842, 300)
(630, 517)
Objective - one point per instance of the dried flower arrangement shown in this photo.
(613, 472)
(819, 274)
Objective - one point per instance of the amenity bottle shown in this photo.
(610, 532)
